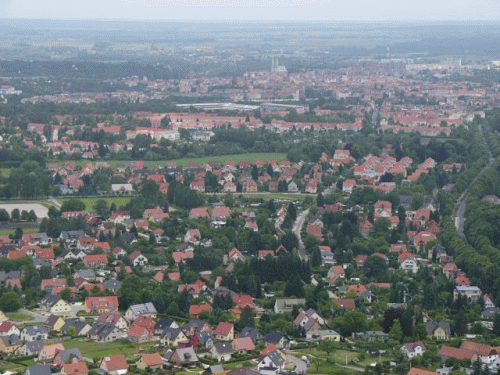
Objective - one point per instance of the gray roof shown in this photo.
(86, 274)
(35, 346)
(224, 348)
(11, 340)
(490, 312)
(143, 309)
(254, 333)
(196, 323)
(50, 300)
(432, 326)
(36, 330)
(39, 370)
(205, 336)
(78, 324)
(171, 333)
(68, 355)
(276, 358)
(101, 330)
(71, 234)
(186, 355)
(163, 323)
(273, 337)
(112, 285)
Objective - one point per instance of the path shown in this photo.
(300, 366)
(296, 229)
(37, 318)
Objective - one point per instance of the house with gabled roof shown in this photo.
(222, 351)
(145, 309)
(114, 364)
(224, 331)
(184, 357)
(150, 362)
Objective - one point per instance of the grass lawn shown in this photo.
(184, 162)
(90, 202)
(19, 316)
(10, 366)
(6, 232)
(98, 350)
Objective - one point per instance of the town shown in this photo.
(334, 220)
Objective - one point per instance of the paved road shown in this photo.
(297, 227)
(300, 366)
(37, 318)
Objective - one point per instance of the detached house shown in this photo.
(413, 349)
(114, 364)
(98, 305)
(138, 259)
(224, 331)
(146, 309)
(34, 333)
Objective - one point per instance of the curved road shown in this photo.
(296, 229)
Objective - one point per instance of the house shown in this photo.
(243, 345)
(173, 336)
(31, 348)
(276, 338)
(55, 305)
(271, 364)
(34, 333)
(323, 334)
(486, 353)
(8, 328)
(222, 351)
(54, 323)
(473, 293)
(196, 326)
(102, 332)
(113, 318)
(205, 339)
(98, 305)
(195, 310)
(114, 364)
(345, 303)
(67, 356)
(254, 333)
(146, 309)
(413, 349)
(282, 306)
(96, 260)
(450, 352)
(150, 362)
(348, 186)
(38, 370)
(163, 324)
(138, 259)
(78, 327)
(9, 344)
(48, 352)
(440, 331)
(224, 331)
(75, 368)
(184, 357)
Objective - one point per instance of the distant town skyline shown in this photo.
(254, 10)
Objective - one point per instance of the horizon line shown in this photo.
(252, 20)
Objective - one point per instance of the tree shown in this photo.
(247, 318)
(18, 233)
(66, 294)
(292, 211)
(460, 323)
(496, 325)
(4, 215)
(15, 215)
(101, 207)
(316, 259)
(353, 321)
(32, 216)
(294, 287)
(72, 204)
(11, 301)
(396, 332)
(375, 267)
(328, 347)
(72, 331)
(173, 309)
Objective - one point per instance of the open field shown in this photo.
(6, 232)
(19, 316)
(41, 210)
(199, 161)
(90, 202)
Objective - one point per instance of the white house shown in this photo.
(413, 349)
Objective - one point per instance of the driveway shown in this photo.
(299, 366)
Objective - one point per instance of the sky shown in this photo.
(308, 10)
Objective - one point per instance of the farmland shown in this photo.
(90, 202)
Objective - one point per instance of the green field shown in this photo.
(98, 350)
(199, 161)
(90, 202)
(6, 232)
(19, 316)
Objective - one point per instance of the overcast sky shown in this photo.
(341, 10)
